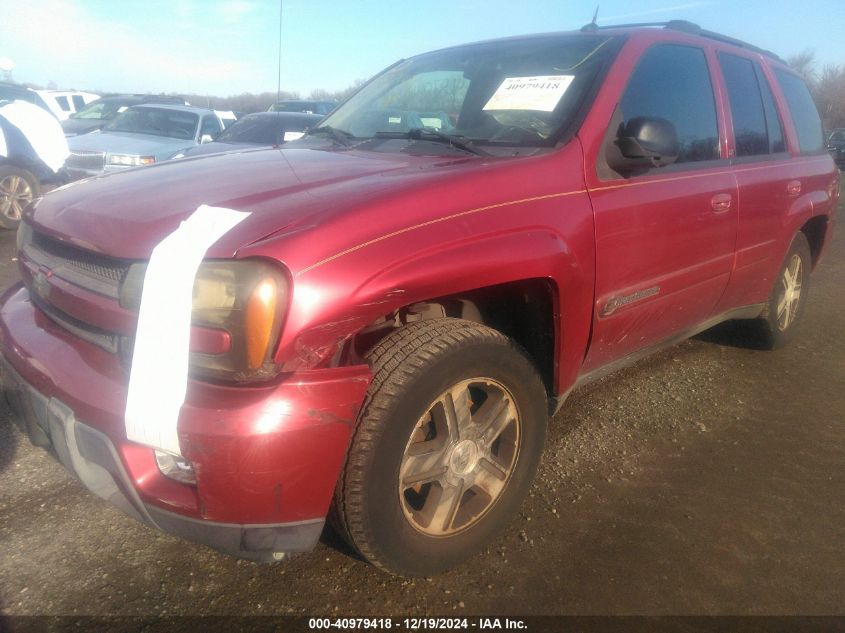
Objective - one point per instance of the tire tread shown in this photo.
(396, 361)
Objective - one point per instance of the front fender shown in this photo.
(333, 302)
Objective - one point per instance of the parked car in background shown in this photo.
(141, 135)
(63, 103)
(298, 105)
(15, 92)
(32, 154)
(387, 314)
(836, 146)
(227, 117)
(97, 114)
(255, 130)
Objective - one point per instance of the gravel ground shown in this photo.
(707, 479)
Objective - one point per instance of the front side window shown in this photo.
(672, 82)
(512, 93)
(803, 110)
(78, 102)
(211, 126)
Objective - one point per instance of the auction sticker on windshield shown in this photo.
(530, 93)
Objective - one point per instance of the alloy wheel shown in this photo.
(460, 457)
(15, 194)
(790, 296)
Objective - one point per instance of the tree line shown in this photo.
(260, 102)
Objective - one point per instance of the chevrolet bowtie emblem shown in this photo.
(41, 285)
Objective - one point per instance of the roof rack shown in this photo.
(685, 26)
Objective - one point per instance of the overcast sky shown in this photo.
(224, 47)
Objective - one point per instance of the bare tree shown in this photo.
(829, 94)
(804, 63)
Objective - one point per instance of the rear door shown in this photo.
(765, 175)
(665, 238)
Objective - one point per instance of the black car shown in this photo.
(96, 114)
(307, 106)
(15, 92)
(836, 146)
(261, 128)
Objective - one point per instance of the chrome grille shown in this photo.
(89, 161)
(92, 271)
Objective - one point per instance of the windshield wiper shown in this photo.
(424, 134)
(342, 137)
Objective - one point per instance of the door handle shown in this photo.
(793, 187)
(721, 202)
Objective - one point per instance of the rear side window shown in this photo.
(672, 82)
(63, 104)
(749, 118)
(773, 122)
(805, 117)
(757, 128)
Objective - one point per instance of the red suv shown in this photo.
(375, 322)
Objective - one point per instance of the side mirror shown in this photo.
(645, 142)
(206, 138)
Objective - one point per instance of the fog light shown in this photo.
(175, 467)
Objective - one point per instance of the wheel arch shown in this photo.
(815, 230)
(512, 281)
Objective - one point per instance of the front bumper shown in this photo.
(266, 459)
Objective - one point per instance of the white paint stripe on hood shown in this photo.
(158, 380)
(41, 129)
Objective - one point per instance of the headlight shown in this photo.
(128, 160)
(175, 467)
(24, 236)
(238, 303)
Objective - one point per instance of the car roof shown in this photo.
(673, 29)
(14, 86)
(285, 115)
(141, 98)
(175, 106)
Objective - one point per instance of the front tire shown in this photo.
(18, 187)
(446, 446)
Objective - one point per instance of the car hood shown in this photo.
(128, 143)
(72, 127)
(217, 148)
(126, 214)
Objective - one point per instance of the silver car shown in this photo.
(142, 135)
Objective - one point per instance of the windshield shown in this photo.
(101, 109)
(517, 92)
(157, 122)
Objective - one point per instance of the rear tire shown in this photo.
(446, 446)
(788, 299)
(18, 187)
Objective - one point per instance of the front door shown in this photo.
(665, 238)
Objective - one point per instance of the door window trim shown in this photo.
(606, 174)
